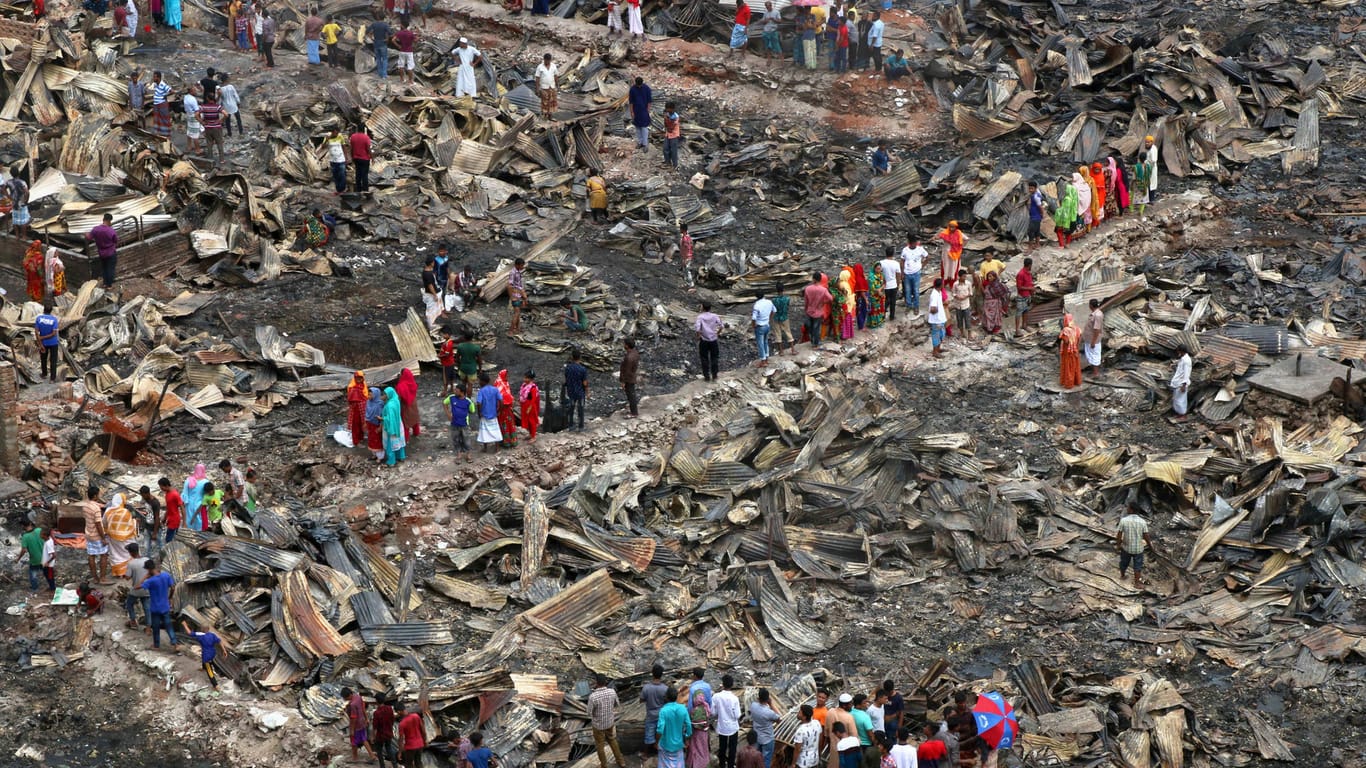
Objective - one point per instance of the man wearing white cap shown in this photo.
(466, 58)
(842, 714)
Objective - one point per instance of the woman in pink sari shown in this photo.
(699, 743)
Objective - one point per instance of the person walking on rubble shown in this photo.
(629, 374)
(708, 329)
(739, 32)
(331, 33)
(336, 158)
(1181, 381)
(1148, 155)
(1095, 328)
(641, 98)
(1131, 538)
(726, 706)
(603, 710)
(547, 74)
(685, 253)
(466, 58)
(106, 240)
(575, 388)
(313, 27)
(231, 102)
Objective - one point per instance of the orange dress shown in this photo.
(1069, 354)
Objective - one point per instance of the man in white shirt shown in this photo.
(904, 753)
(807, 738)
(726, 705)
(891, 286)
(546, 74)
(912, 261)
(1181, 381)
(759, 317)
(937, 317)
(876, 712)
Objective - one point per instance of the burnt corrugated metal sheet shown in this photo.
(409, 633)
(413, 340)
(303, 620)
(580, 605)
(902, 181)
(1227, 352)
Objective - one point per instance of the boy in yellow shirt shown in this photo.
(331, 33)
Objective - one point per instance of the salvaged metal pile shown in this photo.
(1088, 89)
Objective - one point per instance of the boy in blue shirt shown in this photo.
(461, 408)
(208, 650)
(46, 325)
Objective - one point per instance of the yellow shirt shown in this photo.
(991, 265)
(330, 33)
(820, 14)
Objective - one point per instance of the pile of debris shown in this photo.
(751, 539)
(1087, 89)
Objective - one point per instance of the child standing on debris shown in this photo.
(461, 409)
(516, 295)
(357, 723)
(529, 396)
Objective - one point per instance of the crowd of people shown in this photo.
(855, 729)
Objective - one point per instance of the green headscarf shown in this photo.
(1066, 214)
(393, 414)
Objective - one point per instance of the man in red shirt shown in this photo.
(410, 736)
(360, 156)
(382, 732)
(817, 298)
(175, 508)
(1024, 292)
(932, 753)
(405, 38)
(447, 356)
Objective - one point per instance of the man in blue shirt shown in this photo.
(490, 435)
(641, 98)
(159, 586)
(208, 651)
(897, 65)
(576, 386)
(698, 684)
(46, 325)
(1036, 205)
(882, 160)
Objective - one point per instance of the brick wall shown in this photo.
(9, 419)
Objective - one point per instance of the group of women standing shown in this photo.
(386, 419)
(856, 302)
(1104, 190)
(44, 273)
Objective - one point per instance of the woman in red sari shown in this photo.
(357, 395)
(1069, 354)
(507, 417)
(407, 399)
(34, 272)
(530, 398)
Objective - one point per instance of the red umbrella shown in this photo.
(995, 720)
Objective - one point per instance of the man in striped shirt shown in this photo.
(1132, 536)
(211, 114)
(161, 106)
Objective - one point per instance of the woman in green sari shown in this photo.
(877, 311)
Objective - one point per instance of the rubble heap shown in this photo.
(1087, 88)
